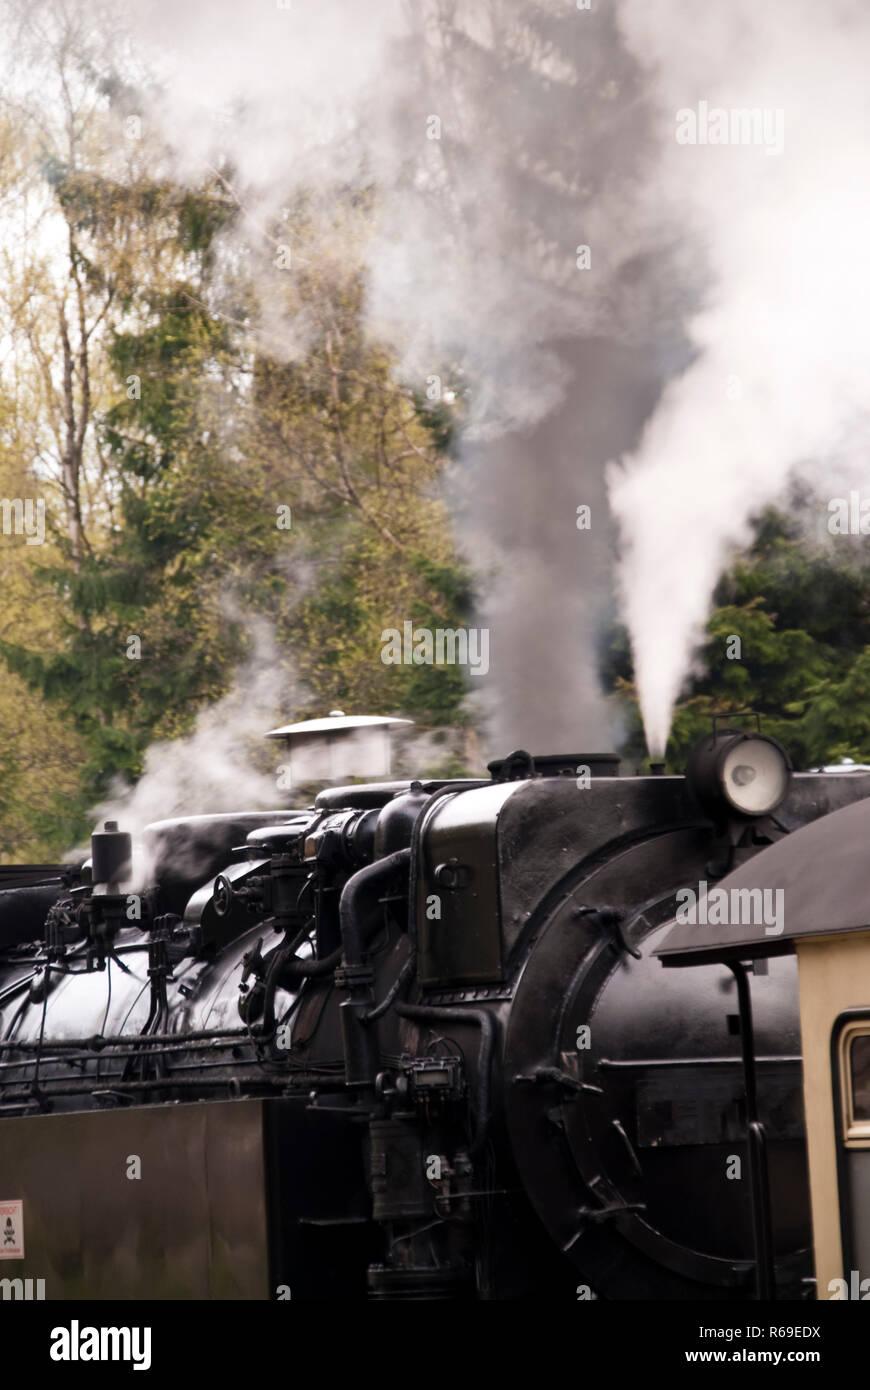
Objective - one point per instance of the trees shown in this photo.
(360, 456)
(217, 440)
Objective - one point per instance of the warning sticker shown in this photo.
(11, 1231)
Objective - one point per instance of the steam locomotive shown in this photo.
(410, 1042)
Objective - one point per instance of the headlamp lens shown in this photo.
(755, 776)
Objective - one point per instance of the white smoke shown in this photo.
(215, 767)
(715, 346)
(497, 141)
(495, 138)
(778, 385)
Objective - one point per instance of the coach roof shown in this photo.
(821, 870)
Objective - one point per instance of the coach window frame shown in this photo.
(849, 1134)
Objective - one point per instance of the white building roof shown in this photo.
(336, 722)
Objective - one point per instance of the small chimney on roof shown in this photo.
(337, 748)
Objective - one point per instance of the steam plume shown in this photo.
(781, 337)
(499, 139)
(714, 344)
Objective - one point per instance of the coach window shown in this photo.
(850, 1060)
(855, 1081)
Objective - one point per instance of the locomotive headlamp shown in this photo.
(743, 774)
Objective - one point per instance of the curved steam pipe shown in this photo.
(355, 922)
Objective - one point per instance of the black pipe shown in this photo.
(759, 1185)
(358, 917)
(486, 1022)
(353, 897)
(310, 969)
(277, 959)
(168, 1049)
(97, 1042)
(92, 1086)
(307, 969)
(18, 986)
(403, 976)
(410, 965)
